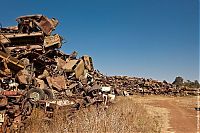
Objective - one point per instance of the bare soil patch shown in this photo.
(182, 116)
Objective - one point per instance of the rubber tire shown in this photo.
(39, 91)
(48, 93)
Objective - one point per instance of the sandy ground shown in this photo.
(177, 114)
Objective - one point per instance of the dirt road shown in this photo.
(182, 116)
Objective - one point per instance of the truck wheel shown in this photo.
(48, 94)
(36, 94)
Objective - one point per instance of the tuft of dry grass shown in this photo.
(124, 116)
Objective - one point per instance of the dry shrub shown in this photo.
(125, 116)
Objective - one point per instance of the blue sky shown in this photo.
(156, 39)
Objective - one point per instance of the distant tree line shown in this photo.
(179, 81)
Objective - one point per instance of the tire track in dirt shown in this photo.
(182, 116)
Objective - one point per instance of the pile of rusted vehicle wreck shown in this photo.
(34, 71)
(125, 86)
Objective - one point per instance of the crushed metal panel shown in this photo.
(47, 25)
(54, 40)
(12, 62)
(3, 39)
(11, 28)
(27, 47)
(61, 63)
(88, 62)
(35, 16)
(79, 69)
(42, 22)
(15, 64)
(57, 82)
(76, 66)
(70, 64)
(24, 41)
(20, 35)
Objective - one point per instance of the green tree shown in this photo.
(178, 81)
(196, 84)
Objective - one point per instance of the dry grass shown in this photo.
(125, 116)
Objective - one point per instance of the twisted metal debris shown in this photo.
(35, 72)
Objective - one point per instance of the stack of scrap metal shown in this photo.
(34, 70)
(124, 85)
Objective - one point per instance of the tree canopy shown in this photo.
(179, 81)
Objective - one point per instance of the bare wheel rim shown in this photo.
(35, 96)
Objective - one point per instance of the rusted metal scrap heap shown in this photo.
(124, 85)
(34, 71)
